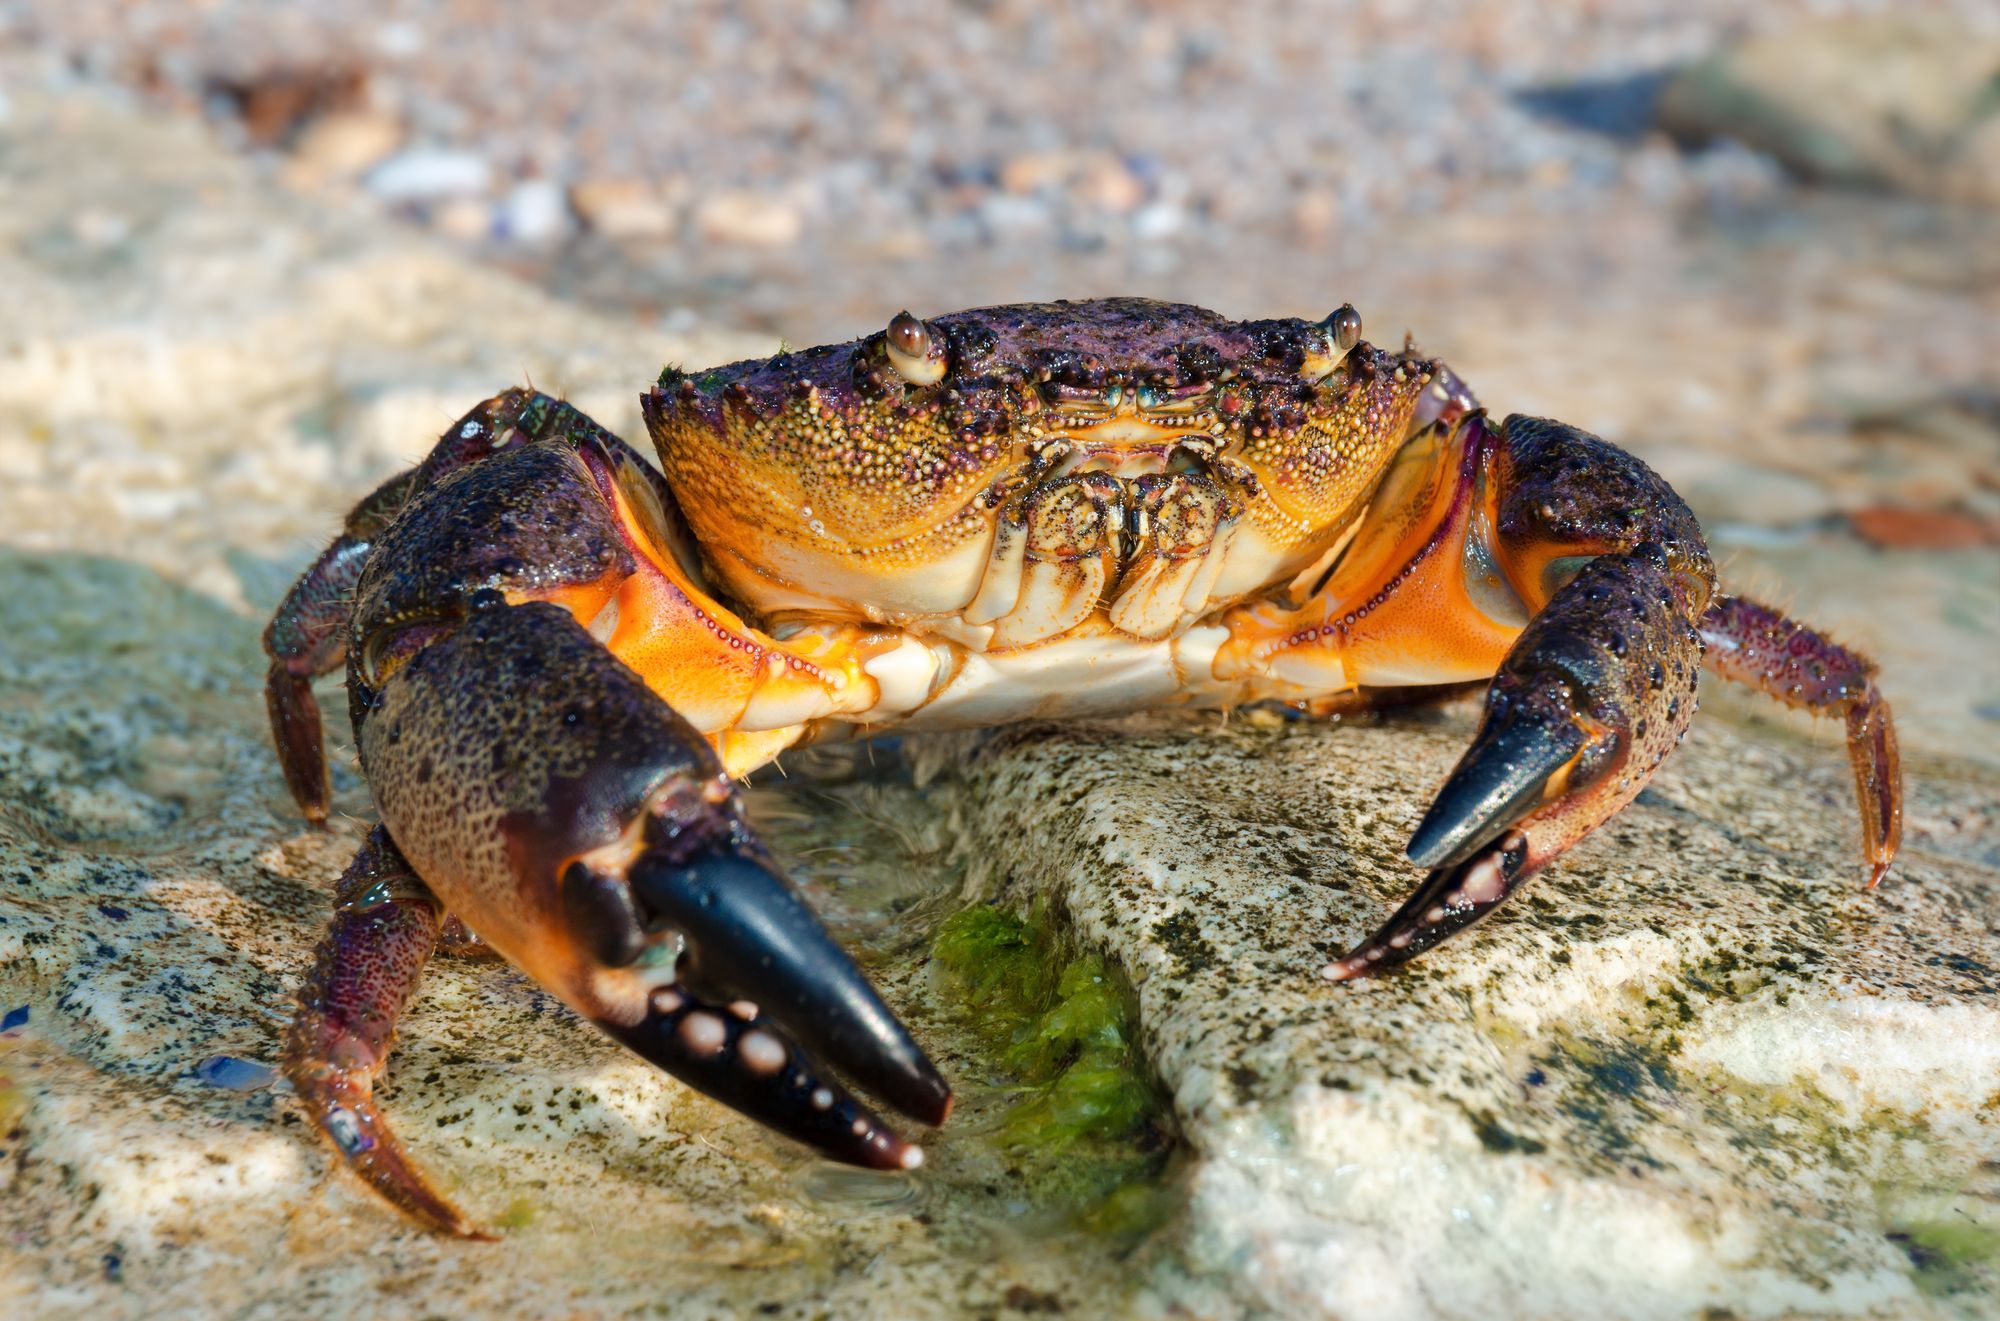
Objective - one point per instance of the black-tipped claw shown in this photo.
(1451, 899)
(1500, 779)
(737, 1055)
(751, 938)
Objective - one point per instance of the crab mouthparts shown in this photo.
(1128, 448)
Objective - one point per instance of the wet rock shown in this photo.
(158, 903)
(1693, 1070)
(187, 403)
(1892, 101)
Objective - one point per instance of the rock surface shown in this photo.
(1890, 101)
(1694, 1068)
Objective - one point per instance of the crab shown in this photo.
(560, 659)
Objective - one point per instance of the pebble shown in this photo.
(423, 174)
(343, 145)
(622, 208)
(754, 219)
(463, 220)
(232, 1074)
(535, 213)
(1894, 528)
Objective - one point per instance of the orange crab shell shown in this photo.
(825, 483)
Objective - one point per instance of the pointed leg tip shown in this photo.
(1877, 870)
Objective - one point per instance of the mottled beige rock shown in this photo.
(1692, 1071)
(1889, 101)
(193, 365)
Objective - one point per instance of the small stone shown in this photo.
(622, 208)
(463, 219)
(754, 219)
(1894, 528)
(423, 174)
(1032, 172)
(1109, 186)
(1315, 213)
(232, 1074)
(342, 146)
(1158, 221)
(535, 212)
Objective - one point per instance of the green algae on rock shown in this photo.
(1674, 1076)
(1088, 1121)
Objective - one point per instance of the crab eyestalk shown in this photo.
(915, 353)
(1338, 334)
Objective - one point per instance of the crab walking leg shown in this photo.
(385, 926)
(1591, 697)
(574, 819)
(1756, 645)
(308, 634)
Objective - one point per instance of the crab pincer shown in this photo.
(1593, 694)
(591, 837)
(1600, 686)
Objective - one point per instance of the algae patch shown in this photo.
(1949, 1256)
(1088, 1125)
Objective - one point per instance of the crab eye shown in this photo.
(912, 351)
(1343, 331)
(1344, 328)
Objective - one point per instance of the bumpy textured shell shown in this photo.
(826, 472)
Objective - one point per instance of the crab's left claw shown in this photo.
(1593, 695)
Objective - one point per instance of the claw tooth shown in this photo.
(748, 933)
(1498, 781)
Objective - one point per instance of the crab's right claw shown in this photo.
(587, 827)
(763, 996)
(751, 938)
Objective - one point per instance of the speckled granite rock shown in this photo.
(158, 902)
(1694, 1071)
